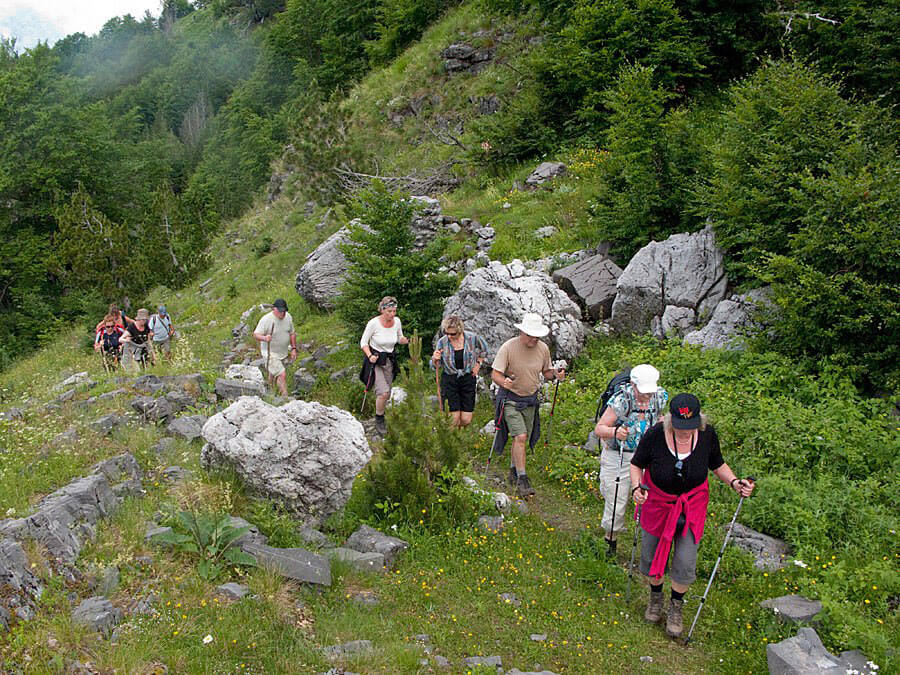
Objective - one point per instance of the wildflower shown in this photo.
(800, 563)
(207, 639)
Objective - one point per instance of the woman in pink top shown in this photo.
(672, 462)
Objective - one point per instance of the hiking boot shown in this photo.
(380, 425)
(654, 608)
(513, 477)
(674, 624)
(523, 487)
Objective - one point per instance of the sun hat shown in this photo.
(142, 315)
(532, 325)
(644, 378)
(685, 410)
(280, 305)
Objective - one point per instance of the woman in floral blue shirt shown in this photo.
(461, 354)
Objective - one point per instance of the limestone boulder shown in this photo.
(684, 271)
(492, 299)
(250, 374)
(232, 389)
(770, 553)
(804, 654)
(731, 320)
(320, 278)
(591, 283)
(303, 454)
(545, 171)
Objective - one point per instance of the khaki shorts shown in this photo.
(519, 421)
(276, 367)
(384, 378)
(164, 347)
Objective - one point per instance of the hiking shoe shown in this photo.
(380, 425)
(513, 477)
(674, 624)
(654, 608)
(523, 487)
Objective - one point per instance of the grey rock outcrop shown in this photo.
(98, 614)
(250, 374)
(108, 423)
(152, 409)
(545, 171)
(232, 389)
(232, 591)
(189, 427)
(73, 381)
(304, 382)
(793, 608)
(292, 563)
(369, 540)
(685, 271)
(65, 519)
(364, 562)
(12, 414)
(462, 57)
(591, 283)
(730, 320)
(320, 278)
(492, 299)
(303, 454)
(21, 586)
(770, 553)
(804, 654)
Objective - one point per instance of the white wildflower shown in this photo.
(800, 563)
(207, 639)
(10, 512)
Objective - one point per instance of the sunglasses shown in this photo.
(452, 334)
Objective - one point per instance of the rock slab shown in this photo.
(98, 614)
(793, 608)
(292, 563)
(804, 654)
(233, 389)
(591, 283)
(685, 271)
(492, 300)
(770, 553)
(303, 454)
(369, 540)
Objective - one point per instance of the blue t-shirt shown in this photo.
(629, 416)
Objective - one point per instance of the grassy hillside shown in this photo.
(824, 456)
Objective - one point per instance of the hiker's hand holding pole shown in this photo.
(743, 486)
(638, 489)
(436, 357)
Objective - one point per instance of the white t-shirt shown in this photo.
(379, 338)
(280, 330)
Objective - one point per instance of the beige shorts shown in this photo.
(384, 378)
(163, 346)
(276, 366)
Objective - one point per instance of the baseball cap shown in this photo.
(644, 378)
(280, 305)
(161, 309)
(685, 409)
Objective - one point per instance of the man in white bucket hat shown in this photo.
(517, 370)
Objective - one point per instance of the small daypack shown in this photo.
(613, 387)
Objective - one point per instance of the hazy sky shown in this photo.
(30, 21)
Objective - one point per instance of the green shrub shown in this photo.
(383, 261)
(400, 22)
(417, 480)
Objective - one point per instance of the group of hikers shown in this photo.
(131, 343)
(662, 456)
(654, 451)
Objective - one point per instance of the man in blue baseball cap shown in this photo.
(163, 331)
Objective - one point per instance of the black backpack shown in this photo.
(613, 387)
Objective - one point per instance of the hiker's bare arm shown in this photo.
(262, 337)
(501, 380)
(607, 427)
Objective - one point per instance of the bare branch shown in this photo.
(445, 137)
(433, 181)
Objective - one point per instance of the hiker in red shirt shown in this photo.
(672, 461)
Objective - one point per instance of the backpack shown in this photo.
(613, 387)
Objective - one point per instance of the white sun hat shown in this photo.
(644, 378)
(532, 325)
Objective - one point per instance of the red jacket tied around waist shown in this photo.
(660, 515)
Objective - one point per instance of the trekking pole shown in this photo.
(550, 421)
(437, 383)
(497, 422)
(615, 503)
(637, 528)
(716, 566)
(269, 355)
(366, 391)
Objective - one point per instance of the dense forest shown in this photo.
(124, 152)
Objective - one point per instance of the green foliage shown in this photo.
(583, 61)
(858, 43)
(636, 201)
(516, 132)
(383, 261)
(416, 482)
(400, 22)
(211, 539)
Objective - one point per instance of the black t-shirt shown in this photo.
(458, 358)
(653, 452)
(139, 337)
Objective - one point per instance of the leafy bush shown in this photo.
(383, 261)
(400, 22)
(211, 538)
(417, 480)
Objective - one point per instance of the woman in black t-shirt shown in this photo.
(673, 461)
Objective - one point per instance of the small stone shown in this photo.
(347, 649)
(422, 638)
(490, 661)
(366, 598)
(510, 599)
(646, 659)
(98, 614)
(793, 608)
(538, 637)
(175, 474)
(232, 591)
(441, 662)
